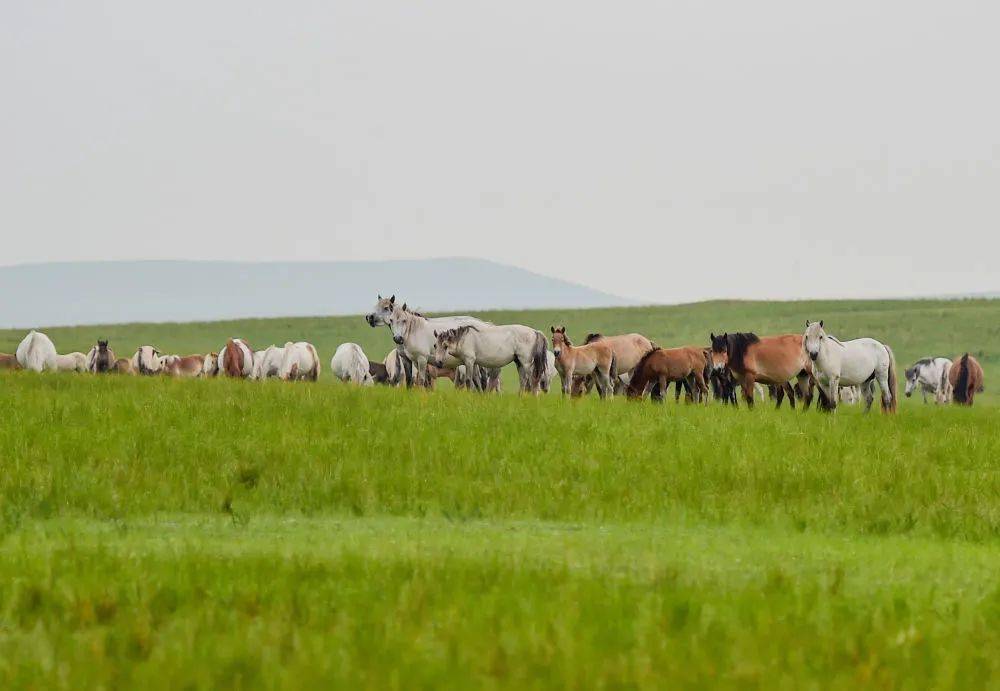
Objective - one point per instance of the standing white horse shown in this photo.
(860, 362)
(414, 333)
(36, 352)
(350, 364)
(495, 347)
(931, 375)
(267, 363)
(71, 362)
(299, 362)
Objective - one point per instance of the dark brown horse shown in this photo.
(8, 361)
(966, 379)
(772, 360)
(664, 366)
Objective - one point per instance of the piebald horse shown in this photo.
(966, 378)
(858, 362)
(930, 375)
(236, 358)
(595, 359)
(664, 366)
(771, 360)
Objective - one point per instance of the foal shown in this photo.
(596, 359)
(664, 366)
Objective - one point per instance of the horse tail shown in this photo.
(539, 362)
(314, 375)
(893, 385)
(961, 392)
(234, 359)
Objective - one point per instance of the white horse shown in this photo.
(350, 364)
(414, 333)
(36, 352)
(494, 347)
(267, 363)
(860, 362)
(931, 375)
(299, 361)
(71, 362)
(147, 360)
(850, 394)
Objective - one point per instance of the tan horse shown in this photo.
(664, 366)
(966, 379)
(184, 366)
(596, 359)
(629, 349)
(122, 366)
(771, 360)
(8, 361)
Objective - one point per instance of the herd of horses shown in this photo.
(471, 353)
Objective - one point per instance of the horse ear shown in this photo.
(821, 323)
(553, 329)
(435, 334)
(404, 306)
(712, 336)
(380, 296)
(392, 300)
(807, 323)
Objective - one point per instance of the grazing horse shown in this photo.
(966, 378)
(664, 366)
(236, 358)
(210, 366)
(300, 362)
(629, 349)
(123, 366)
(350, 364)
(267, 362)
(36, 352)
(9, 361)
(147, 360)
(495, 347)
(595, 359)
(769, 360)
(189, 366)
(380, 375)
(71, 362)
(101, 358)
(931, 375)
(859, 362)
(415, 336)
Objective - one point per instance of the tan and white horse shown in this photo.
(147, 361)
(186, 366)
(595, 359)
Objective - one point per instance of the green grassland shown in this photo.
(211, 533)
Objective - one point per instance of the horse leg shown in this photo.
(869, 391)
(567, 381)
(778, 392)
(748, 382)
(805, 392)
(790, 392)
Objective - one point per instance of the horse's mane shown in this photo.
(737, 345)
(592, 337)
(460, 331)
(642, 361)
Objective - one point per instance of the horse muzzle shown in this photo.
(813, 356)
(370, 318)
(398, 340)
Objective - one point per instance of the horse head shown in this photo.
(813, 338)
(381, 314)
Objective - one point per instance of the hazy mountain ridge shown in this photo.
(76, 293)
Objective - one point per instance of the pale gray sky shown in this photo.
(667, 151)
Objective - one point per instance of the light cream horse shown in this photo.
(595, 359)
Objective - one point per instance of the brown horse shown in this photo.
(8, 361)
(596, 359)
(966, 379)
(100, 358)
(666, 365)
(772, 360)
(237, 358)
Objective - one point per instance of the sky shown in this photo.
(665, 151)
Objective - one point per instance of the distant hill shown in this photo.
(63, 294)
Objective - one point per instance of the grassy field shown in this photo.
(201, 534)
